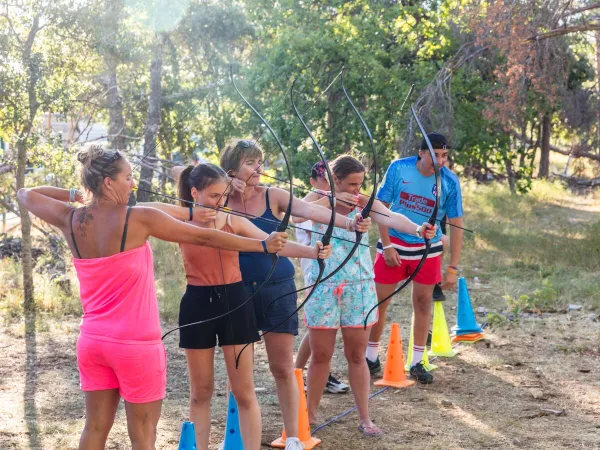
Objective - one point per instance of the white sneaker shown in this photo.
(293, 443)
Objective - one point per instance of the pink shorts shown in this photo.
(138, 370)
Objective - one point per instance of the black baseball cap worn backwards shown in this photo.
(438, 141)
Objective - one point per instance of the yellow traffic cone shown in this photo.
(440, 340)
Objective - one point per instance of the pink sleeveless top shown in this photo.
(119, 298)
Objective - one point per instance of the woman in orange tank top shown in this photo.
(214, 287)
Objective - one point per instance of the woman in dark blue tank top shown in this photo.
(254, 266)
(242, 159)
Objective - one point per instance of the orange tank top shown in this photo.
(208, 266)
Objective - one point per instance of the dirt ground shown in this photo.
(532, 385)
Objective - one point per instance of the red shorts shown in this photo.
(410, 255)
(139, 371)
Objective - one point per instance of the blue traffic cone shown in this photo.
(465, 317)
(187, 441)
(233, 436)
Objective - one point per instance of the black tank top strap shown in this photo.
(267, 199)
(124, 238)
(73, 236)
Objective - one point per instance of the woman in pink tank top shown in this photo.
(119, 350)
(215, 289)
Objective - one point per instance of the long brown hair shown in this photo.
(201, 176)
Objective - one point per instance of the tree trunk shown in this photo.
(544, 170)
(598, 89)
(113, 11)
(114, 104)
(26, 258)
(152, 120)
(23, 138)
(510, 173)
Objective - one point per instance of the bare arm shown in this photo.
(390, 255)
(456, 240)
(48, 203)
(312, 197)
(393, 220)
(244, 227)
(166, 228)
(306, 209)
(177, 212)
(176, 172)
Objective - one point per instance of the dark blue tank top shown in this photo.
(256, 266)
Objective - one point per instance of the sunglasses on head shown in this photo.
(244, 144)
(116, 156)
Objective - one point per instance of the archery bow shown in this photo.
(328, 232)
(366, 210)
(288, 212)
(432, 218)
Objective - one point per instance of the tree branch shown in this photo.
(580, 10)
(554, 148)
(562, 32)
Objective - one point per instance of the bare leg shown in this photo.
(322, 343)
(100, 410)
(142, 419)
(355, 345)
(201, 367)
(383, 290)
(280, 351)
(242, 386)
(303, 352)
(422, 298)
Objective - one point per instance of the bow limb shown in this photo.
(288, 212)
(431, 220)
(366, 210)
(328, 232)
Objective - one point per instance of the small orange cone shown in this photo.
(393, 372)
(303, 425)
(470, 338)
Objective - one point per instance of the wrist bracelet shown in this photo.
(264, 244)
(453, 267)
(388, 246)
(418, 232)
(348, 224)
(72, 194)
(191, 213)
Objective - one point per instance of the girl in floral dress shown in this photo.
(344, 300)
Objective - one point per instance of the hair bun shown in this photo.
(89, 154)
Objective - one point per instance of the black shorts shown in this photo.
(267, 318)
(205, 302)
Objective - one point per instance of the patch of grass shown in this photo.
(541, 299)
(54, 296)
(524, 244)
(170, 278)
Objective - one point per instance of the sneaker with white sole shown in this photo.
(293, 443)
(335, 386)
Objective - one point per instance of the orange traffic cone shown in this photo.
(393, 372)
(303, 425)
